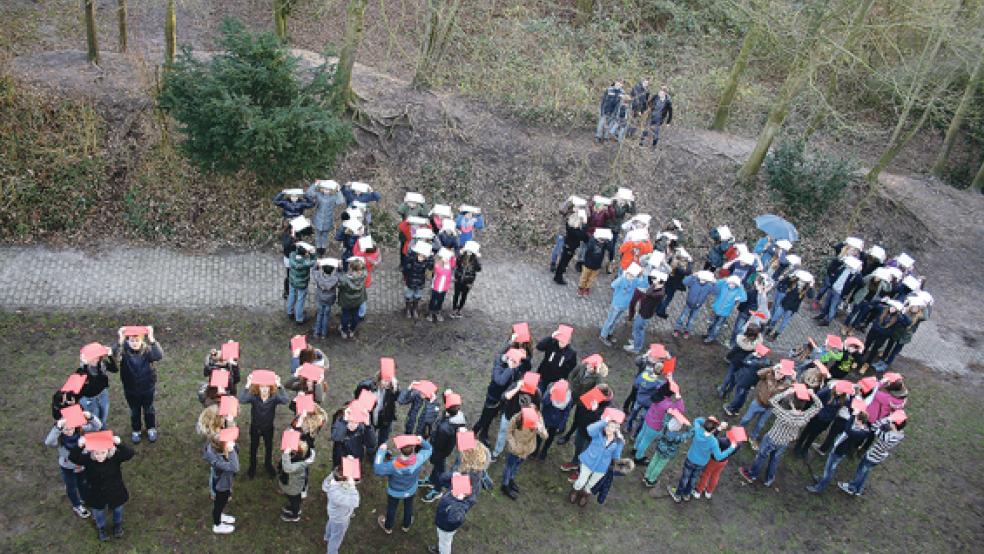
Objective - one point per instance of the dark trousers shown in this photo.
(383, 433)
(436, 301)
(872, 344)
(254, 445)
(436, 471)
(543, 445)
(581, 441)
(630, 399)
(350, 319)
(808, 435)
(293, 507)
(565, 258)
(461, 291)
(391, 504)
(836, 428)
(218, 506)
(141, 403)
(481, 427)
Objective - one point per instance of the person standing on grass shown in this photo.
(661, 112)
(623, 287)
(666, 398)
(425, 408)
(64, 435)
(222, 455)
(523, 394)
(833, 398)
(294, 467)
(443, 440)
(605, 447)
(746, 377)
(402, 472)
(263, 400)
(855, 433)
(771, 381)
(708, 481)
(451, 511)
(96, 362)
(505, 372)
(465, 272)
(728, 294)
(102, 455)
(703, 447)
(556, 409)
(387, 390)
(794, 408)
(606, 109)
(591, 412)
(325, 198)
(343, 499)
(746, 345)
(589, 374)
(299, 276)
(559, 357)
(351, 435)
(135, 357)
(699, 287)
(522, 431)
(647, 382)
(675, 431)
(351, 296)
(888, 434)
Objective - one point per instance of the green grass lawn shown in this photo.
(927, 496)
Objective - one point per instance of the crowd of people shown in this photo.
(622, 113)
(836, 396)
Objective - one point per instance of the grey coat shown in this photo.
(323, 218)
(325, 286)
(225, 467)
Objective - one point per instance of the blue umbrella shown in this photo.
(777, 227)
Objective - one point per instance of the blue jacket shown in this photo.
(747, 376)
(623, 288)
(451, 511)
(705, 445)
(727, 297)
(421, 412)
(598, 455)
(292, 209)
(477, 222)
(645, 389)
(715, 256)
(402, 482)
(136, 371)
(554, 417)
(669, 442)
(323, 218)
(697, 291)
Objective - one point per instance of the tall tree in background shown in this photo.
(170, 33)
(355, 15)
(961, 113)
(121, 19)
(978, 183)
(281, 11)
(731, 87)
(441, 16)
(92, 44)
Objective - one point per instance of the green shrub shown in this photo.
(246, 110)
(806, 184)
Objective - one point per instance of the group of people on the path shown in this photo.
(437, 250)
(621, 113)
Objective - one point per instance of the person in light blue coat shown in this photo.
(622, 290)
(729, 293)
(699, 286)
(605, 447)
(325, 197)
(402, 472)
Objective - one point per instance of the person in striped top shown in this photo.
(794, 408)
(888, 434)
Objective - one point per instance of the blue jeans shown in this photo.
(500, 439)
(780, 319)
(777, 299)
(861, 475)
(686, 319)
(896, 348)
(410, 293)
(756, 409)
(321, 238)
(833, 460)
(363, 308)
(639, 325)
(691, 473)
(100, 516)
(740, 321)
(613, 316)
(644, 438)
(715, 328)
(141, 403)
(295, 303)
(510, 469)
(601, 131)
(830, 305)
(350, 319)
(321, 322)
(75, 484)
(729, 377)
(97, 405)
(739, 400)
(769, 452)
(557, 249)
(638, 411)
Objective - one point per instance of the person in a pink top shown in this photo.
(891, 395)
(444, 264)
(665, 397)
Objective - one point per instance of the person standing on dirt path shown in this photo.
(607, 109)
(640, 103)
(662, 113)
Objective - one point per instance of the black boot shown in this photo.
(251, 472)
(101, 533)
(507, 490)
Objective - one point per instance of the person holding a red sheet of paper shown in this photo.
(135, 357)
(664, 398)
(263, 396)
(387, 389)
(559, 357)
(343, 499)
(675, 432)
(524, 428)
(703, 447)
(102, 454)
(425, 407)
(590, 373)
(226, 358)
(709, 478)
(526, 392)
(451, 511)
(605, 447)
(402, 470)
(793, 408)
(556, 408)
(888, 434)
(294, 465)
(222, 455)
(443, 439)
(855, 433)
(506, 370)
(352, 435)
(96, 362)
(592, 403)
(65, 435)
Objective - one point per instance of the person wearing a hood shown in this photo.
(703, 447)
(343, 499)
(351, 296)
(96, 362)
(728, 294)
(326, 292)
(402, 470)
(699, 287)
(623, 287)
(105, 490)
(443, 440)
(325, 198)
(556, 408)
(135, 357)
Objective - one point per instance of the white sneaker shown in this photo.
(226, 518)
(81, 511)
(707, 495)
(696, 495)
(223, 529)
(304, 494)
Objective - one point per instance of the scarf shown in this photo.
(401, 463)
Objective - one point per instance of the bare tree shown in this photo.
(281, 10)
(441, 16)
(355, 14)
(121, 18)
(731, 87)
(978, 183)
(960, 114)
(92, 43)
(170, 33)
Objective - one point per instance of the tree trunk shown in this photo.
(281, 8)
(585, 9)
(958, 117)
(92, 43)
(170, 33)
(978, 183)
(121, 15)
(355, 14)
(441, 18)
(728, 96)
(794, 82)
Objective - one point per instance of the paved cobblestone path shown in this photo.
(138, 278)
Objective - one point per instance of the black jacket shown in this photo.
(519, 401)
(594, 254)
(415, 271)
(465, 272)
(232, 367)
(356, 443)
(662, 110)
(610, 100)
(557, 362)
(583, 417)
(573, 237)
(386, 398)
(97, 379)
(640, 98)
(106, 487)
(444, 437)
